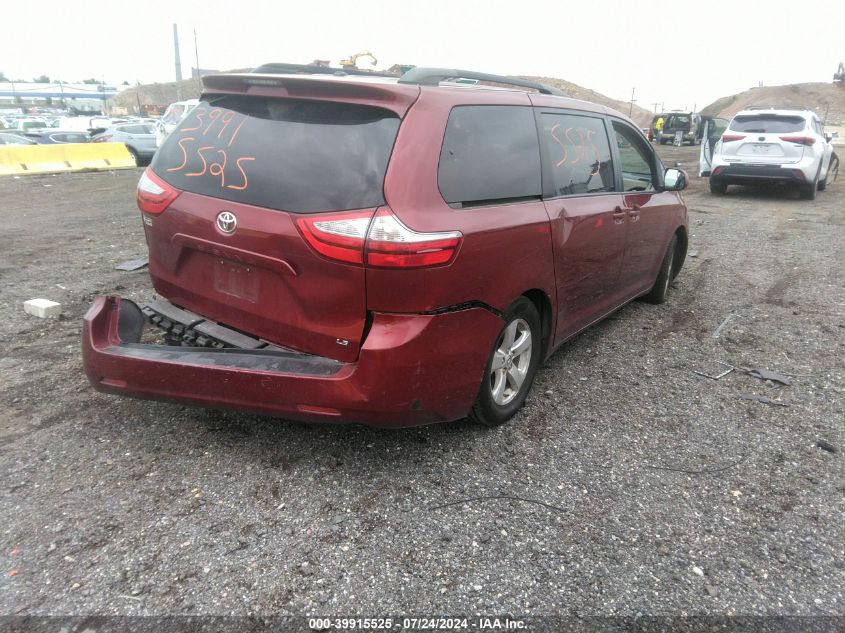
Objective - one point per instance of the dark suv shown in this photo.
(392, 252)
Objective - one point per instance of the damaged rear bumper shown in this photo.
(412, 369)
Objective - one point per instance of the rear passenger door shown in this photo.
(588, 222)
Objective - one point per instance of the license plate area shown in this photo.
(236, 280)
(761, 148)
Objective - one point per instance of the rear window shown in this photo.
(767, 123)
(490, 154)
(678, 121)
(295, 155)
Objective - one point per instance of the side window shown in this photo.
(635, 160)
(490, 154)
(578, 153)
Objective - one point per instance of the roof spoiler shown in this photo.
(433, 77)
(283, 68)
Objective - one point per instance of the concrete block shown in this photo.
(42, 308)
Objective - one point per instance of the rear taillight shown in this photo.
(727, 138)
(800, 140)
(154, 195)
(358, 237)
(101, 139)
(337, 236)
(391, 244)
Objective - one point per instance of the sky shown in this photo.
(677, 54)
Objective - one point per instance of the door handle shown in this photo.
(618, 215)
(634, 212)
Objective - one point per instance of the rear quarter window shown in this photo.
(490, 154)
(296, 155)
(767, 124)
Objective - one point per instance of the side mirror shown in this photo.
(828, 137)
(674, 179)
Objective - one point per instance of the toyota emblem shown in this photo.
(227, 222)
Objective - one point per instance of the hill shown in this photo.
(640, 116)
(825, 99)
(166, 93)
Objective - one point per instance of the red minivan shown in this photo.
(392, 252)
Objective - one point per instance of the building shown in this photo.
(77, 97)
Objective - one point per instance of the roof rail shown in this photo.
(433, 77)
(283, 68)
(776, 107)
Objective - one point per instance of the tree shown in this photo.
(125, 83)
(90, 81)
(42, 79)
(3, 76)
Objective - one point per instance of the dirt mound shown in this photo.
(640, 116)
(826, 100)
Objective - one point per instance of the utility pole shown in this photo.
(654, 106)
(176, 53)
(197, 57)
(631, 109)
(138, 97)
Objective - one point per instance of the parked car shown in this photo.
(50, 136)
(28, 125)
(173, 116)
(7, 138)
(388, 252)
(770, 145)
(139, 139)
(688, 124)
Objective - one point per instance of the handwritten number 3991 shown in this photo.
(203, 123)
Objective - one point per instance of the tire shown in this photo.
(135, 156)
(718, 187)
(660, 289)
(832, 168)
(501, 394)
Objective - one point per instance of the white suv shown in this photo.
(768, 145)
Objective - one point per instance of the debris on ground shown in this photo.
(133, 264)
(42, 308)
(723, 324)
(717, 376)
(763, 399)
(826, 446)
(764, 374)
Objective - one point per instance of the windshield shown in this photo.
(767, 123)
(295, 155)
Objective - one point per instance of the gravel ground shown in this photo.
(627, 485)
